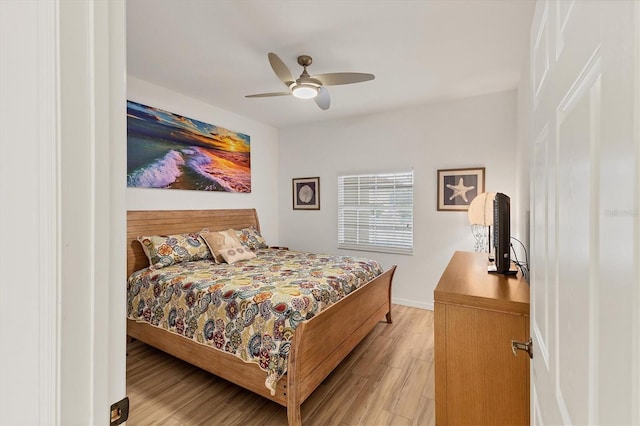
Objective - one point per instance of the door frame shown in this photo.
(92, 217)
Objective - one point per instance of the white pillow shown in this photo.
(234, 254)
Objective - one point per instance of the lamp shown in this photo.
(481, 213)
(304, 91)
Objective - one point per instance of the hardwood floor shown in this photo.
(387, 380)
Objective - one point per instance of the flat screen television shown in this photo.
(502, 233)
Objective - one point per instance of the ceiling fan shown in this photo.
(310, 86)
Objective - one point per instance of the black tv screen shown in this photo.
(502, 232)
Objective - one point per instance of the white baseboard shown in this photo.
(412, 303)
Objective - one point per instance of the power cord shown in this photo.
(524, 266)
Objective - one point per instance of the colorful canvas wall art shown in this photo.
(167, 150)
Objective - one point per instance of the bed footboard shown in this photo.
(320, 344)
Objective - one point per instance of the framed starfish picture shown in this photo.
(458, 187)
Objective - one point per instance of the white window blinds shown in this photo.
(375, 212)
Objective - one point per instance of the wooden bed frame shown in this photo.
(318, 345)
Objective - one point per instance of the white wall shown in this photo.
(521, 208)
(264, 161)
(478, 131)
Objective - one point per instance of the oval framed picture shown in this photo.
(306, 193)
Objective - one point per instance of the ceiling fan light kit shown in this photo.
(307, 86)
(304, 91)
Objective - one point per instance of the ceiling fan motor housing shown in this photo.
(305, 60)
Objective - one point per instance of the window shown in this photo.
(375, 212)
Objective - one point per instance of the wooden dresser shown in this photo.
(478, 378)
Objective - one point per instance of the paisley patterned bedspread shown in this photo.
(250, 308)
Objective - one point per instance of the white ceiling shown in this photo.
(420, 51)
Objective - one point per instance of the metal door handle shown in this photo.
(520, 346)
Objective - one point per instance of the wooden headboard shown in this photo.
(166, 222)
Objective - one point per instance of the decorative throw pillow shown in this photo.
(232, 255)
(220, 240)
(165, 250)
(251, 238)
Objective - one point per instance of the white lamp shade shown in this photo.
(481, 209)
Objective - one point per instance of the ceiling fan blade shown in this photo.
(336, 78)
(281, 69)
(323, 99)
(264, 95)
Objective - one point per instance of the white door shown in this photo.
(62, 214)
(585, 243)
